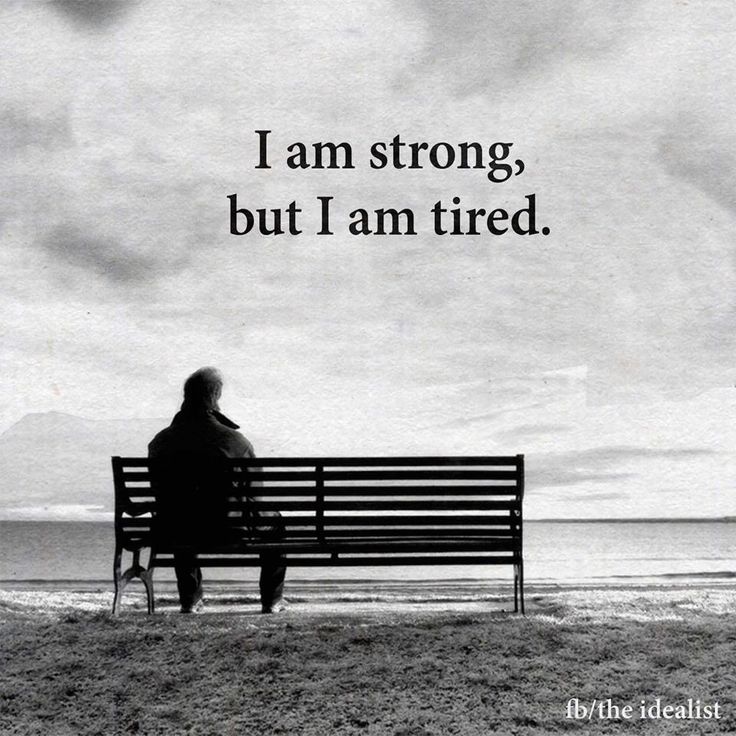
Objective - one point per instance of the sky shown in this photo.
(603, 350)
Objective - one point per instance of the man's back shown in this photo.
(203, 432)
(189, 469)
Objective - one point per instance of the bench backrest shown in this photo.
(324, 499)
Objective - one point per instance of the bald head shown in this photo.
(203, 389)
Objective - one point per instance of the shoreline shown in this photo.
(565, 603)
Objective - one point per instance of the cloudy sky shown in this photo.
(604, 351)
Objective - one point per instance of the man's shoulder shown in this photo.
(233, 442)
(159, 441)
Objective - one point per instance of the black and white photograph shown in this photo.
(367, 367)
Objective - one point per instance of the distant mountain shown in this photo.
(56, 465)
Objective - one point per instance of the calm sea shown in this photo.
(592, 552)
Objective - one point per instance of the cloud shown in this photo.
(68, 244)
(626, 452)
(600, 464)
(698, 148)
(596, 497)
(20, 129)
(95, 15)
(551, 477)
(488, 46)
(478, 419)
(601, 496)
(525, 431)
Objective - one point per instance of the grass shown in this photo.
(85, 673)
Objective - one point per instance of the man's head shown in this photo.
(203, 389)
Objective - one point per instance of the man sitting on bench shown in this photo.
(187, 466)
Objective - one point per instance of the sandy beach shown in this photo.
(566, 603)
(391, 659)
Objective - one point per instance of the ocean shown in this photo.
(597, 552)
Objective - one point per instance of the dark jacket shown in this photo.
(189, 470)
(204, 432)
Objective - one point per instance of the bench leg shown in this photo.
(121, 579)
(521, 586)
(117, 580)
(516, 588)
(147, 578)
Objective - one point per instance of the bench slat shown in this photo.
(375, 533)
(392, 505)
(383, 475)
(387, 520)
(386, 475)
(373, 520)
(392, 490)
(138, 508)
(439, 460)
(358, 561)
(412, 532)
(346, 545)
(147, 493)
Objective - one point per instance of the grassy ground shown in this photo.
(387, 671)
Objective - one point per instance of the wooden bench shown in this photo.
(339, 511)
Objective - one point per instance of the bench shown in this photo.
(340, 511)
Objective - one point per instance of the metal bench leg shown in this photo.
(136, 570)
(521, 586)
(147, 578)
(516, 588)
(117, 579)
